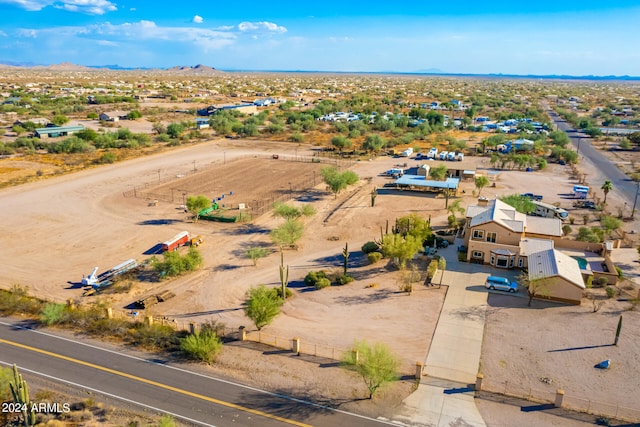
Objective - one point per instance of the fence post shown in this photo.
(479, 379)
(109, 313)
(295, 346)
(192, 328)
(148, 320)
(356, 356)
(559, 398)
(419, 367)
(243, 333)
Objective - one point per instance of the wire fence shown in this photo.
(573, 403)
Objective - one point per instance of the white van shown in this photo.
(443, 155)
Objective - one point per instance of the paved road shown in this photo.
(158, 385)
(596, 166)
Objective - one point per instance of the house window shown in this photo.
(520, 262)
(478, 234)
(502, 262)
(491, 237)
(493, 260)
(512, 261)
(477, 254)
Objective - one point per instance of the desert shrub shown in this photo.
(589, 283)
(602, 281)
(312, 277)
(369, 247)
(278, 292)
(262, 305)
(374, 257)
(52, 313)
(153, 337)
(167, 421)
(323, 283)
(343, 279)
(432, 268)
(17, 300)
(203, 346)
(107, 158)
(611, 291)
(619, 271)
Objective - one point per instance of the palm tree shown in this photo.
(606, 187)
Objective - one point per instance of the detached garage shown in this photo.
(559, 276)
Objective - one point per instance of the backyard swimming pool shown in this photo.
(581, 262)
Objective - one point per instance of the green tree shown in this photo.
(195, 204)
(60, 119)
(439, 173)
(610, 223)
(341, 142)
(134, 114)
(566, 229)
(288, 233)
(400, 248)
(374, 143)
(520, 203)
(481, 182)
(376, 364)
(606, 188)
(175, 129)
(262, 305)
(338, 181)
(254, 253)
(203, 346)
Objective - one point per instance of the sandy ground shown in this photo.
(57, 230)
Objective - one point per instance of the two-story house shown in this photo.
(494, 231)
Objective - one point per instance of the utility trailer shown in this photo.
(177, 241)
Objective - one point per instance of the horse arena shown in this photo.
(254, 181)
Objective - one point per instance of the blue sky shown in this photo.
(544, 37)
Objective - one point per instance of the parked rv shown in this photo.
(432, 153)
(549, 211)
(443, 155)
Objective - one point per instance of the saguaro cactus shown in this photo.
(345, 255)
(284, 277)
(20, 392)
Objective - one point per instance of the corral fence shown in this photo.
(569, 402)
(256, 207)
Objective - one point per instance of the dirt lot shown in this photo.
(58, 229)
(567, 345)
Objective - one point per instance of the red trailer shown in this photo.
(177, 241)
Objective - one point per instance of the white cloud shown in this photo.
(197, 19)
(3, 34)
(340, 39)
(224, 28)
(27, 33)
(91, 7)
(107, 43)
(261, 26)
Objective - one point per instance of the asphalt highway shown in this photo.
(595, 165)
(158, 385)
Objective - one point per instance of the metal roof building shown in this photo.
(54, 132)
(420, 182)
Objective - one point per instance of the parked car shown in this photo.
(536, 197)
(586, 204)
(501, 284)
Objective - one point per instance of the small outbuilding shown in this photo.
(57, 131)
(113, 116)
(558, 275)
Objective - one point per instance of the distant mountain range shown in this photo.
(68, 66)
(206, 70)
